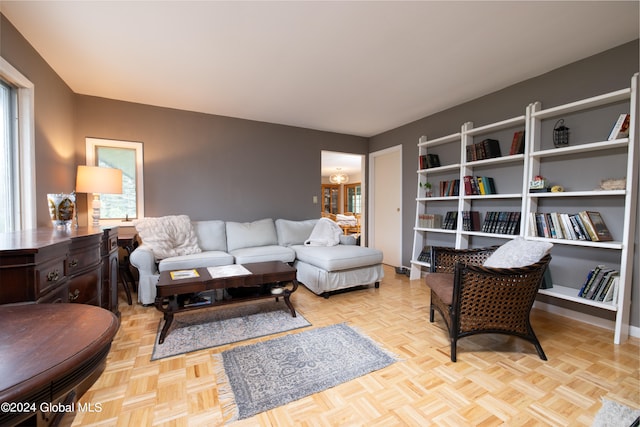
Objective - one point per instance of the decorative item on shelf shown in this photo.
(613, 184)
(428, 188)
(98, 180)
(61, 207)
(538, 185)
(560, 134)
(557, 189)
(338, 177)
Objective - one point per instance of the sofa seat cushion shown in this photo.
(442, 285)
(263, 254)
(251, 234)
(339, 257)
(201, 260)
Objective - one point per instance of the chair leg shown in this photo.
(453, 349)
(431, 315)
(125, 285)
(539, 348)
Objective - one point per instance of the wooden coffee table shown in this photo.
(256, 283)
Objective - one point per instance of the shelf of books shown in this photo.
(582, 197)
(567, 174)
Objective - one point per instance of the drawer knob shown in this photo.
(53, 276)
(73, 263)
(74, 296)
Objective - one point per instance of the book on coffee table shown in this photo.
(228, 271)
(184, 274)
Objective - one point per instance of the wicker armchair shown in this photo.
(473, 299)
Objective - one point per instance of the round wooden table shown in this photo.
(49, 355)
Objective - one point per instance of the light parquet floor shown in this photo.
(497, 380)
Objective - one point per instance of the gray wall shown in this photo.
(54, 119)
(214, 167)
(608, 71)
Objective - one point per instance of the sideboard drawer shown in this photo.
(49, 275)
(85, 288)
(80, 259)
(59, 294)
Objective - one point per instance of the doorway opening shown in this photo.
(342, 192)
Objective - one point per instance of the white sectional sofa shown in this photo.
(175, 243)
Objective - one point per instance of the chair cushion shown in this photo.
(251, 234)
(168, 236)
(518, 253)
(442, 285)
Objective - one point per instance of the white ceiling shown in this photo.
(354, 67)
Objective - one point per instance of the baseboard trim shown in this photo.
(583, 317)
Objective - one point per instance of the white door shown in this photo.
(385, 168)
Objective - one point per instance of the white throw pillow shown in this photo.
(168, 236)
(518, 253)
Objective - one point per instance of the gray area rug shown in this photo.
(614, 414)
(258, 377)
(196, 330)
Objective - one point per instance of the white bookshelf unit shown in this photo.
(578, 167)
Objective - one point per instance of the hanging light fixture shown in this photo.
(338, 177)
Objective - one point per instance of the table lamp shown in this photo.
(98, 180)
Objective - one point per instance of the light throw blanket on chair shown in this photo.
(325, 233)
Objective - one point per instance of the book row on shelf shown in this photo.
(495, 222)
(485, 149)
(425, 254)
(473, 186)
(478, 185)
(601, 284)
(450, 188)
(428, 161)
(585, 225)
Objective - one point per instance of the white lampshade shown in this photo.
(98, 180)
(95, 179)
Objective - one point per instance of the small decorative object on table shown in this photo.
(560, 134)
(61, 208)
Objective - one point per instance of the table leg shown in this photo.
(168, 311)
(287, 294)
(168, 319)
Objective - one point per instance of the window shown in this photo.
(353, 198)
(17, 176)
(126, 156)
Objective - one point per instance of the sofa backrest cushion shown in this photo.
(212, 235)
(294, 232)
(168, 236)
(251, 234)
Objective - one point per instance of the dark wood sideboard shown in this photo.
(79, 265)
